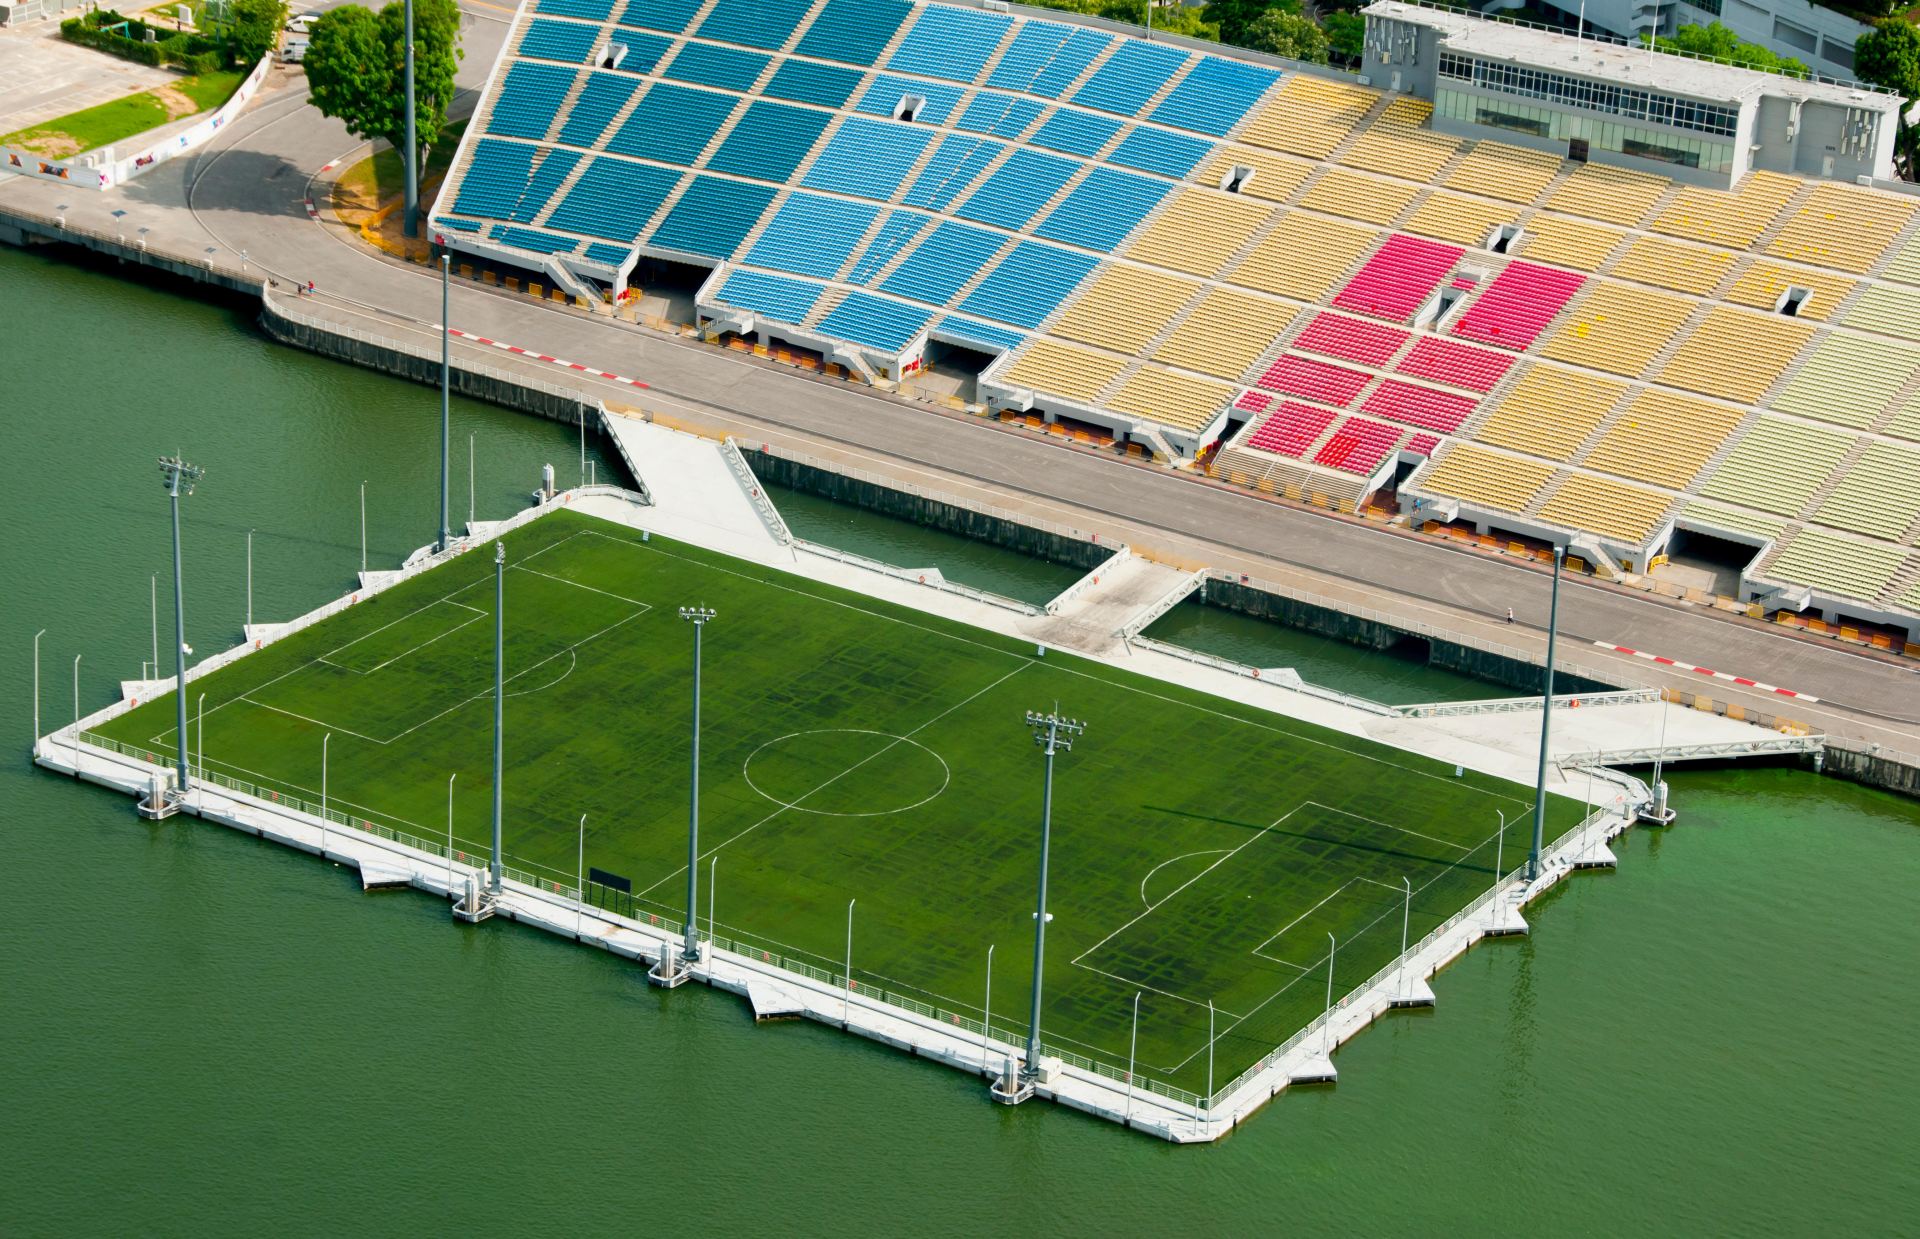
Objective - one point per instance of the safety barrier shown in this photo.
(915, 576)
(769, 515)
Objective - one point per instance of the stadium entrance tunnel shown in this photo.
(846, 772)
(953, 369)
(1706, 561)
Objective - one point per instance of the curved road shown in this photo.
(249, 191)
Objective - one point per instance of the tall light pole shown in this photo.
(1210, 1040)
(446, 382)
(499, 697)
(249, 578)
(180, 478)
(325, 741)
(36, 684)
(1406, 919)
(1546, 723)
(450, 779)
(1053, 734)
(846, 995)
(410, 218)
(200, 725)
(470, 480)
(363, 525)
(699, 617)
(1133, 1052)
(580, 882)
(153, 612)
(986, 1012)
(583, 442)
(1326, 1028)
(76, 703)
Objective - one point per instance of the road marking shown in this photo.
(552, 361)
(1741, 680)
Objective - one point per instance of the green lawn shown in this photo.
(1202, 850)
(119, 119)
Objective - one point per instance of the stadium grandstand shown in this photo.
(1286, 276)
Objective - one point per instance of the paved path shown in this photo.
(249, 192)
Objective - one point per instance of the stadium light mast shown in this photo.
(699, 617)
(446, 416)
(1546, 723)
(410, 216)
(499, 697)
(1053, 734)
(179, 479)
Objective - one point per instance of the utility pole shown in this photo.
(699, 617)
(1053, 734)
(446, 263)
(1546, 723)
(410, 220)
(180, 478)
(499, 695)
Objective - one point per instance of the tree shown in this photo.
(1346, 37)
(253, 26)
(1236, 17)
(356, 68)
(1719, 43)
(1279, 33)
(1889, 56)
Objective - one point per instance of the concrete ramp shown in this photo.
(698, 494)
(1130, 594)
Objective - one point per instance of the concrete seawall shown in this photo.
(216, 271)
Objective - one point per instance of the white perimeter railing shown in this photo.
(1231, 667)
(743, 473)
(1520, 705)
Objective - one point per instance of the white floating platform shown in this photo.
(774, 1002)
(1413, 991)
(379, 874)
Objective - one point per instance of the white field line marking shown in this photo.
(644, 606)
(882, 750)
(1163, 864)
(1337, 891)
(475, 618)
(1132, 983)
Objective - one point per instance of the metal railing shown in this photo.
(769, 515)
(1231, 667)
(1520, 705)
(1087, 581)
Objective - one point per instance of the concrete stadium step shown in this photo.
(998, 256)
(760, 225)
(1660, 204)
(1666, 354)
(914, 170)
(860, 247)
(561, 190)
(1784, 215)
(565, 109)
(1908, 391)
(1838, 474)
(829, 301)
(1794, 367)
(1893, 250)
(1606, 424)
(1360, 127)
(1905, 579)
(726, 128)
(1738, 433)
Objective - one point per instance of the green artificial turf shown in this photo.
(851, 750)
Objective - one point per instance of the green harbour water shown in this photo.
(205, 1034)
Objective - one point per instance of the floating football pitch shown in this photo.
(1202, 851)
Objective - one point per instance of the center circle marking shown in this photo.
(746, 771)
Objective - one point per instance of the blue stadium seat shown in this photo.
(770, 141)
(612, 255)
(756, 23)
(1103, 209)
(548, 171)
(812, 235)
(894, 235)
(867, 158)
(458, 225)
(672, 124)
(552, 40)
(886, 92)
(1018, 188)
(529, 99)
(950, 43)
(495, 180)
(1215, 95)
(853, 32)
(671, 16)
(1156, 150)
(591, 10)
(980, 335)
(602, 96)
(1029, 284)
(1005, 115)
(1075, 132)
(614, 198)
(713, 216)
(644, 51)
(952, 168)
(1045, 58)
(729, 68)
(530, 239)
(951, 255)
(877, 322)
(805, 82)
(1132, 75)
(785, 300)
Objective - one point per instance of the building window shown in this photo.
(1665, 154)
(1798, 36)
(1509, 120)
(1837, 53)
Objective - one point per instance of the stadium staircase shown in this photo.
(764, 222)
(1788, 212)
(561, 191)
(1834, 477)
(1689, 325)
(1893, 250)
(1907, 578)
(561, 113)
(1338, 155)
(1908, 391)
(1605, 425)
(1733, 439)
(1794, 367)
(725, 131)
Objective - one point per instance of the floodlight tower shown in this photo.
(699, 617)
(499, 697)
(1053, 734)
(410, 209)
(1546, 722)
(179, 479)
(446, 268)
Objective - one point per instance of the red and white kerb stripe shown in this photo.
(1741, 680)
(556, 361)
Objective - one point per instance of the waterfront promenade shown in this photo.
(243, 207)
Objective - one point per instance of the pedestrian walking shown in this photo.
(1509, 615)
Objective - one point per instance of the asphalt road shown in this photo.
(249, 192)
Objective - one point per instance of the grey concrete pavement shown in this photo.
(249, 192)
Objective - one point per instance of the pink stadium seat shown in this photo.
(1351, 338)
(1358, 446)
(1420, 406)
(1461, 365)
(1398, 278)
(1316, 380)
(1290, 429)
(1518, 305)
(1423, 444)
(1253, 402)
